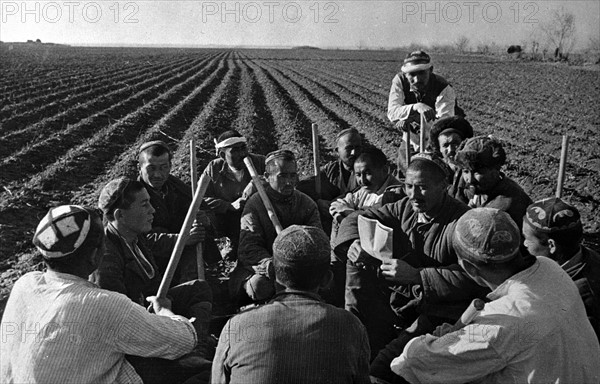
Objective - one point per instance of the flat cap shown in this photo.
(552, 215)
(112, 192)
(480, 152)
(62, 231)
(302, 245)
(486, 235)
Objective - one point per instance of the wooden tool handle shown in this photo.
(316, 159)
(263, 195)
(183, 235)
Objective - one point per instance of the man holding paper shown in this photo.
(422, 275)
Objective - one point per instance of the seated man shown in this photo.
(60, 328)
(295, 338)
(171, 199)
(253, 276)
(534, 329)
(129, 263)
(373, 178)
(552, 228)
(445, 137)
(423, 276)
(481, 159)
(337, 177)
(230, 185)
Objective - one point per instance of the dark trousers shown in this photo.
(368, 299)
(191, 299)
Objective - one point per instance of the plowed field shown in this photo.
(71, 119)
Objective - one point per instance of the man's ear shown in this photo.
(327, 279)
(470, 268)
(552, 246)
(222, 155)
(118, 214)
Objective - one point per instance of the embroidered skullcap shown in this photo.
(435, 159)
(284, 154)
(62, 231)
(480, 152)
(111, 193)
(552, 215)
(347, 131)
(229, 139)
(302, 245)
(486, 235)
(155, 143)
(416, 61)
(448, 125)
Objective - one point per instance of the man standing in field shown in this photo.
(230, 185)
(417, 91)
(130, 266)
(422, 277)
(60, 328)
(253, 276)
(171, 198)
(295, 338)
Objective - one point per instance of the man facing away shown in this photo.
(253, 276)
(552, 228)
(533, 330)
(60, 328)
(230, 185)
(295, 338)
(417, 91)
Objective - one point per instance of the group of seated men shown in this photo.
(326, 310)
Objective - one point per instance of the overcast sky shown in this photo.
(347, 24)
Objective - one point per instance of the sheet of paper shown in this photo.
(376, 239)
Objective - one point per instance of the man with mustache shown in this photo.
(171, 198)
(481, 159)
(253, 278)
(417, 90)
(422, 277)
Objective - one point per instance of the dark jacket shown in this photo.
(295, 338)
(120, 272)
(586, 275)
(422, 245)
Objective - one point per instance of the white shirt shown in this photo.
(534, 330)
(60, 328)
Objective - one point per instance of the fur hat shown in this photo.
(447, 125)
(480, 152)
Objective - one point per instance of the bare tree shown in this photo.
(560, 32)
(462, 44)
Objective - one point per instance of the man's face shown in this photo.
(138, 217)
(155, 169)
(448, 145)
(234, 155)
(348, 148)
(283, 177)
(419, 79)
(481, 180)
(536, 244)
(368, 175)
(424, 191)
